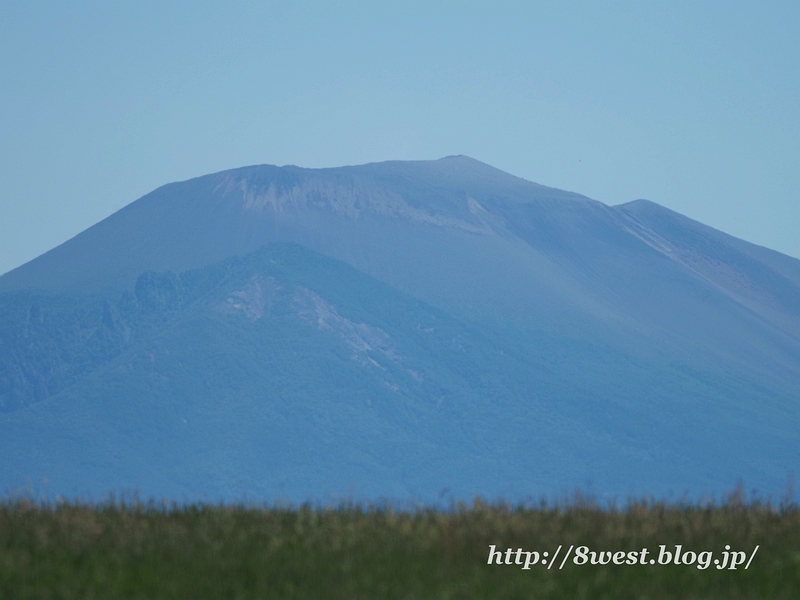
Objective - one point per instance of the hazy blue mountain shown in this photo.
(397, 329)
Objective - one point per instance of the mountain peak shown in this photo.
(439, 308)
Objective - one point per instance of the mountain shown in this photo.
(408, 330)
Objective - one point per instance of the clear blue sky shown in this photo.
(693, 105)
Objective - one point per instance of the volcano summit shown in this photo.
(400, 330)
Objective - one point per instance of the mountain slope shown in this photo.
(407, 328)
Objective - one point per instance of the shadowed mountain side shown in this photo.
(289, 375)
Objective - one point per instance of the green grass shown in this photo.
(133, 550)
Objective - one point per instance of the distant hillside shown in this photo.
(401, 329)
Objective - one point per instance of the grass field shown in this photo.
(138, 550)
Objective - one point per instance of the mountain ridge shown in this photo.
(15, 279)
